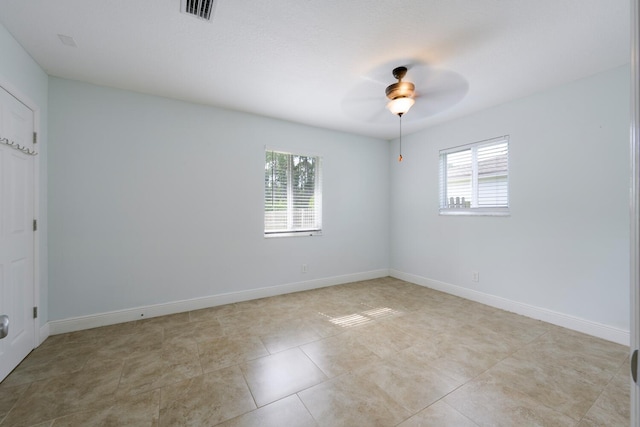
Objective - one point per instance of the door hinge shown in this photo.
(634, 366)
(35, 312)
(35, 225)
(35, 137)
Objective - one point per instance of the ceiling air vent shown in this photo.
(199, 8)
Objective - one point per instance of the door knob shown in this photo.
(4, 326)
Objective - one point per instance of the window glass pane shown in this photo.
(493, 190)
(275, 204)
(292, 193)
(303, 192)
(459, 176)
(477, 172)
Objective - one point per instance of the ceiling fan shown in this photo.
(425, 90)
(428, 89)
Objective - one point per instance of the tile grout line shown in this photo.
(473, 378)
(305, 407)
(611, 380)
(246, 383)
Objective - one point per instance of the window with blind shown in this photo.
(292, 194)
(474, 178)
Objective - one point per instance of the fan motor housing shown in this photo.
(400, 90)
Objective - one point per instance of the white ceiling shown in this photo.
(309, 61)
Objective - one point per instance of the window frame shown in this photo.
(443, 208)
(316, 230)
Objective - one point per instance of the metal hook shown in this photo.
(13, 144)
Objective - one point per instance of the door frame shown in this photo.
(40, 334)
(635, 203)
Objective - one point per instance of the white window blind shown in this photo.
(292, 194)
(474, 178)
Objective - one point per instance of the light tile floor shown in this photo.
(375, 353)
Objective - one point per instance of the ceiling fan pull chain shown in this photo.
(400, 156)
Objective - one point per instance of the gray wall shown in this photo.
(565, 246)
(154, 200)
(22, 76)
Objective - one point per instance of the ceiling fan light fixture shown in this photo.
(401, 96)
(400, 106)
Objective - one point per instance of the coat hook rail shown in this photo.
(12, 144)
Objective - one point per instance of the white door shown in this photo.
(635, 209)
(16, 234)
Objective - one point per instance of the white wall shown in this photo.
(565, 247)
(154, 200)
(23, 77)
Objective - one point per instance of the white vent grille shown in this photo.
(199, 8)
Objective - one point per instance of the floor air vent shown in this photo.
(199, 8)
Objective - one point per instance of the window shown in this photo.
(292, 194)
(474, 178)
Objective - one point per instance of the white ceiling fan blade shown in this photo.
(435, 102)
(365, 101)
(426, 106)
(370, 110)
(383, 74)
(437, 90)
(433, 79)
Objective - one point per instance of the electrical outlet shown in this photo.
(304, 268)
(476, 276)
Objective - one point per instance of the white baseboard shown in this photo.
(595, 329)
(110, 318)
(43, 333)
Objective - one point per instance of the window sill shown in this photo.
(309, 233)
(474, 212)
